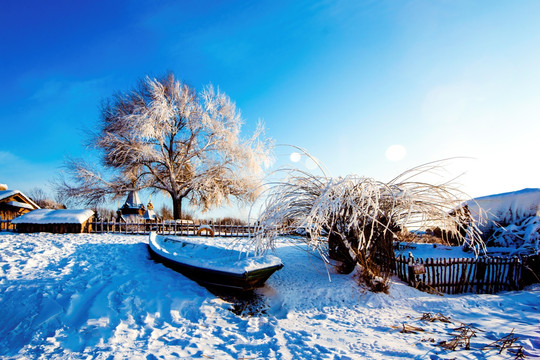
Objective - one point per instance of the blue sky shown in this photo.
(343, 79)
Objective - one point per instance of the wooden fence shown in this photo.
(484, 275)
(172, 228)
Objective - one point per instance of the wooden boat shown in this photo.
(213, 266)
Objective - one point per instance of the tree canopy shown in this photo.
(165, 136)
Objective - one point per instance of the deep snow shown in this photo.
(510, 219)
(100, 296)
(506, 207)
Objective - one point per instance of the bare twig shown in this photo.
(435, 317)
(508, 343)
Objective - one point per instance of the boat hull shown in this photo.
(245, 281)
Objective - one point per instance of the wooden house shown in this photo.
(55, 221)
(13, 203)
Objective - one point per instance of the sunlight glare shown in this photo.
(295, 157)
(396, 152)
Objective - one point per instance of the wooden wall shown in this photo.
(9, 212)
(85, 227)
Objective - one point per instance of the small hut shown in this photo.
(55, 221)
(13, 203)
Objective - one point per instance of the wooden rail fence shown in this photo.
(172, 228)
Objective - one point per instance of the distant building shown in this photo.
(133, 210)
(150, 214)
(13, 203)
(55, 221)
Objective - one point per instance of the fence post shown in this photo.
(480, 275)
(530, 270)
(411, 276)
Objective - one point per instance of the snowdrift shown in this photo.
(511, 219)
(508, 207)
(99, 296)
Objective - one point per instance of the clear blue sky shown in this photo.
(344, 79)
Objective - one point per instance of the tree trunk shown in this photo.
(177, 207)
(338, 251)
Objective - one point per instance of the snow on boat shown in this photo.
(213, 266)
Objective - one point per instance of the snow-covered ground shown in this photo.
(85, 296)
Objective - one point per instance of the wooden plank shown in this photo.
(431, 269)
(470, 275)
(452, 273)
(443, 276)
(498, 271)
(404, 269)
(450, 267)
(504, 275)
(467, 268)
(459, 287)
(487, 280)
(455, 278)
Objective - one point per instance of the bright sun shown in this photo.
(396, 152)
(295, 157)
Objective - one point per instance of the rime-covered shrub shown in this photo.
(354, 219)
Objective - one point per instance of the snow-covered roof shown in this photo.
(149, 214)
(4, 194)
(507, 207)
(50, 216)
(20, 205)
(133, 200)
(7, 193)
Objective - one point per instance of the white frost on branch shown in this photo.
(166, 137)
(359, 208)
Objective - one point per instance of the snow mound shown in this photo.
(512, 219)
(508, 207)
(523, 235)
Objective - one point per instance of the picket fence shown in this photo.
(483, 275)
(172, 228)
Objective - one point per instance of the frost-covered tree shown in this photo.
(165, 136)
(40, 197)
(355, 219)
